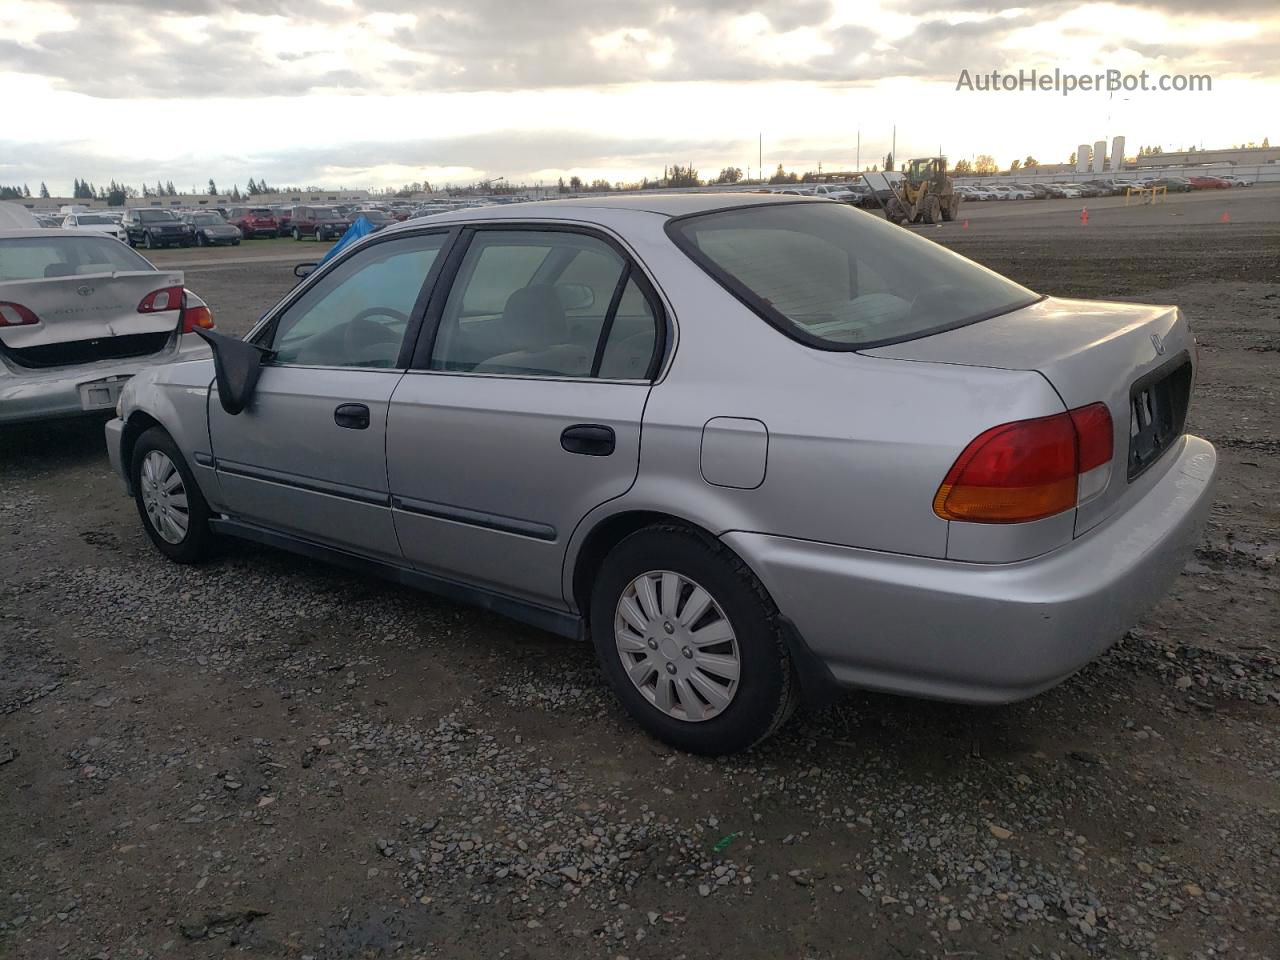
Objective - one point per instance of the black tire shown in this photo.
(197, 544)
(297, 234)
(768, 688)
(235, 242)
(200, 240)
(148, 242)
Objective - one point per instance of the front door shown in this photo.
(308, 456)
(524, 411)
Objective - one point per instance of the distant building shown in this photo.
(1242, 155)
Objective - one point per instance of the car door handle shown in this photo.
(588, 439)
(353, 416)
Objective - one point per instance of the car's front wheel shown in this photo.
(297, 234)
(149, 243)
(170, 503)
(690, 641)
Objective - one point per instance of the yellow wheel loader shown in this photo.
(925, 194)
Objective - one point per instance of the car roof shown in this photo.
(61, 232)
(661, 204)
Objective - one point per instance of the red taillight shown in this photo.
(1029, 469)
(16, 315)
(157, 301)
(1093, 435)
(193, 317)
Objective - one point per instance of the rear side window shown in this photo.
(33, 258)
(839, 279)
(536, 303)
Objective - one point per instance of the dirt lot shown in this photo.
(265, 757)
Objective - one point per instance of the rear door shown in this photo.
(308, 456)
(523, 408)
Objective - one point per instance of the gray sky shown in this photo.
(370, 93)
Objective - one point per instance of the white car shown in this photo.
(835, 191)
(1014, 192)
(97, 222)
(980, 192)
(1235, 181)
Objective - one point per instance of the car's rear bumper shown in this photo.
(986, 633)
(54, 392)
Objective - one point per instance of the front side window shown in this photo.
(545, 303)
(836, 278)
(31, 258)
(357, 314)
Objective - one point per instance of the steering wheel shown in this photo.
(361, 332)
(380, 312)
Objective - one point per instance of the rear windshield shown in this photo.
(156, 216)
(260, 212)
(839, 279)
(93, 218)
(33, 258)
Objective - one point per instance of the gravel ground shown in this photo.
(266, 757)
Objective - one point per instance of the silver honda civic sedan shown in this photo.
(755, 449)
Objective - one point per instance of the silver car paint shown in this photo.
(987, 633)
(841, 529)
(290, 431)
(1089, 350)
(491, 445)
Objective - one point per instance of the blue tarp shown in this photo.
(361, 228)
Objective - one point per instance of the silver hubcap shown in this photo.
(165, 497)
(677, 646)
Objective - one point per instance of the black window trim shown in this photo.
(421, 362)
(778, 320)
(264, 333)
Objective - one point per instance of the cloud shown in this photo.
(244, 48)
(453, 46)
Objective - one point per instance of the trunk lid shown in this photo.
(1138, 359)
(87, 307)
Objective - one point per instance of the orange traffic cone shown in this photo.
(1084, 216)
(1226, 217)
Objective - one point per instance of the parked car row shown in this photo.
(1100, 187)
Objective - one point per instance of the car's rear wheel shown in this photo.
(297, 234)
(148, 242)
(200, 240)
(169, 501)
(691, 642)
